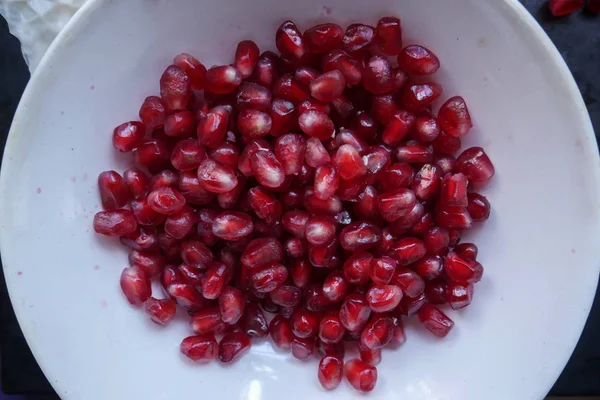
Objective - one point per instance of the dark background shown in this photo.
(576, 36)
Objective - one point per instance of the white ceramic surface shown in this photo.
(540, 248)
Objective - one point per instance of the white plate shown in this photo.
(540, 248)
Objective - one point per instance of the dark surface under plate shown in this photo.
(576, 36)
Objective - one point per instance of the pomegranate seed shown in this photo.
(128, 136)
(398, 337)
(251, 148)
(417, 98)
(160, 311)
(366, 205)
(215, 177)
(246, 57)
(454, 191)
(331, 329)
(328, 86)
(378, 332)
(409, 281)
(427, 182)
(414, 152)
(214, 280)
(226, 154)
(289, 150)
(190, 274)
(360, 236)
(348, 137)
(254, 124)
(254, 322)
(323, 38)
(410, 306)
(267, 169)
(166, 200)
(377, 76)
(115, 223)
(331, 370)
(369, 356)
(253, 96)
(223, 79)
(315, 300)
(449, 145)
(305, 75)
(462, 270)
(305, 324)
(137, 182)
(382, 270)
(396, 204)
(289, 41)
(149, 262)
(186, 296)
(335, 287)
(386, 242)
(288, 88)
(212, 127)
(316, 124)
(232, 225)
(141, 239)
(459, 296)
(165, 178)
(135, 285)
(265, 73)
(435, 321)
(266, 278)
(144, 214)
(355, 311)
(301, 272)
(152, 112)
(350, 67)
(560, 8)
(152, 154)
(295, 222)
(281, 332)
(364, 126)
(357, 268)
(348, 162)
(454, 117)
(233, 346)
(455, 236)
(194, 70)
(326, 181)
(408, 250)
(358, 37)
(436, 240)
(398, 127)
(418, 60)
(303, 349)
(426, 129)
(312, 104)
(175, 88)
(476, 165)
(265, 204)
(453, 218)
(314, 205)
(286, 296)
(179, 124)
(384, 298)
(320, 230)
(202, 348)
(189, 187)
(388, 35)
(435, 291)
(207, 321)
(361, 375)
(383, 108)
(467, 251)
(262, 251)
(187, 155)
(113, 191)
(478, 207)
(231, 305)
(283, 116)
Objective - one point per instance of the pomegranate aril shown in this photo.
(135, 284)
(435, 291)
(233, 346)
(215, 177)
(295, 222)
(289, 41)
(357, 268)
(312, 104)
(300, 272)
(454, 191)
(193, 68)
(336, 287)
(396, 204)
(435, 321)
(398, 127)
(414, 152)
(396, 176)
(328, 86)
(411, 305)
(226, 154)
(179, 124)
(348, 137)
(372, 357)
(315, 300)
(267, 169)
(418, 60)
(214, 280)
(246, 57)
(253, 96)
(289, 150)
(280, 330)
(320, 230)
(265, 204)
(191, 274)
(254, 322)
(366, 205)
(231, 305)
(165, 178)
(360, 236)
(113, 190)
(305, 324)
(288, 88)
(476, 165)
(160, 311)
(207, 321)
(166, 200)
(305, 75)
(223, 79)
(128, 136)
(266, 278)
(262, 251)
(152, 263)
(466, 251)
(349, 163)
(212, 127)
(175, 88)
(407, 251)
(358, 37)
(314, 205)
(459, 296)
(377, 76)
(286, 296)
(266, 73)
(232, 225)
(115, 222)
(453, 218)
(152, 154)
(362, 376)
(189, 187)
(141, 239)
(355, 311)
(137, 182)
(462, 270)
(436, 240)
(323, 38)
(378, 332)
(331, 329)
(478, 207)
(427, 182)
(418, 97)
(331, 371)
(316, 124)
(187, 155)
(349, 66)
(152, 112)
(410, 282)
(398, 337)
(201, 348)
(303, 349)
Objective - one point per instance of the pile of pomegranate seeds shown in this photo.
(312, 196)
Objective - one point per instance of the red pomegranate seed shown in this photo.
(349, 66)
(453, 218)
(283, 117)
(435, 321)
(361, 375)
(142, 239)
(418, 60)
(360, 236)
(462, 270)
(253, 96)
(467, 251)
(254, 124)
(396, 204)
(187, 155)
(324, 256)
(246, 57)
(408, 250)
(144, 214)
(331, 371)
(207, 321)
(244, 164)
(266, 278)
(478, 207)
(175, 88)
(137, 182)
(189, 187)
(410, 306)
(459, 296)
(403, 224)
(286, 296)
(190, 274)
(455, 236)
(161, 311)
(315, 300)
(232, 225)
(396, 176)
(449, 145)
(152, 263)
(335, 287)
(454, 117)
(426, 129)
(314, 205)
(328, 86)
(288, 88)
(152, 154)
(358, 37)
(372, 357)
(312, 104)
(194, 70)
(388, 35)
(386, 242)
(115, 222)
(113, 191)
(231, 305)
(265, 73)
(212, 127)
(128, 136)
(417, 98)
(294, 222)
(364, 126)
(254, 322)
(289, 41)
(349, 163)
(179, 124)
(166, 200)
(152, 112)
(378, 332)
(262, 251)
(301, 272)
(187, 296)
(265, 204)
(214, 280)
(331, 329)
(366, 205)
(305, 75)
(355, 311)
(348, 137)
(201, 348)
(135, 285)
(305, 324)
(215, 177)
(281, 332)
(289, 150)
(560, 8)
(223, 79)
(414, 152)
(165, 178)
(445, 162)
(454, 191)
(303, 349)
(320, 230)
(377, 76)
(383, 108)
(382, 270)
(233, 346)
(384, 298)
(476, 165)
(357, 268)
(436, 240)
(316, 124)
(409, 281)
(398, 128)
(398, 337)
(326, 181)
(427, 182)
(323, 38)
(226, 154)
(267, 169)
